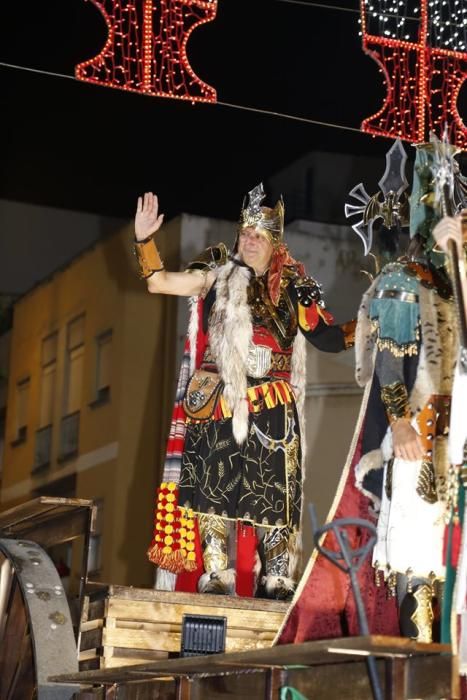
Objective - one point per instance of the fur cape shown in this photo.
(230, 336)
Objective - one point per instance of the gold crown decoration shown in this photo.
(269, 221)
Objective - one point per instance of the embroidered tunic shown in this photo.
(259, 480)
(413, 326)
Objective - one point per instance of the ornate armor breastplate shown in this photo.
(280, 320)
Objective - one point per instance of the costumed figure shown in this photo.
(451, 236)
(228, 512)
(397, 473)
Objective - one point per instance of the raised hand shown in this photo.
(147, 219)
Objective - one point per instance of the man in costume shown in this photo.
(230, 504)
(397, 472)
(452, 231)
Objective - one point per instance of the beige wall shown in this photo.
(332, 407)
(121, 441)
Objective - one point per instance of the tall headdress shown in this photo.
(269, 221)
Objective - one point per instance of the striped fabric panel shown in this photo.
(176, 440)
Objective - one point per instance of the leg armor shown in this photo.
(277, 581)
(218, 579)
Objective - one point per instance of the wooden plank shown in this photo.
(396, 671)
(39, 507)
(237, 617)
(59, 529)
(95, 609)
(138, 655)
(184, 687)
(158, 628)
(333, 651)
(136, 639)
(91, 639)
(118, 661)
(87, 654)
(429, 679)
(48, 521)
(92, 625)
(192, 599)
(275, 679)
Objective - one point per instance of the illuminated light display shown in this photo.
(145, 50)
(421, 49)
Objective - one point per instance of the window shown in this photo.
(21, 417)
(103, 367)
(74, 366)
(74, 380)
(48, 374)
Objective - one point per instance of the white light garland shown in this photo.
(400, 20)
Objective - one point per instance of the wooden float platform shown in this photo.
(321, 670)
(123, 626)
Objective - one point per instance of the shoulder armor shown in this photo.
(308, 290)
(406, 275)
(209, 259)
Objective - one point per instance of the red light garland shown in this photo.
(145, 49)
(423, 80)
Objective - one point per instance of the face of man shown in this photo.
(255, 249)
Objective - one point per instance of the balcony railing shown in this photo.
(69, 436)
(42, 448)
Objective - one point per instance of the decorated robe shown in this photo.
(245, 464)
(406, 332)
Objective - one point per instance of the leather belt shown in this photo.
(261, 361)
(396, 294)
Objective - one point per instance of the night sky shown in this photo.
(73, 145)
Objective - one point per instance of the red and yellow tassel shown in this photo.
(173, 546)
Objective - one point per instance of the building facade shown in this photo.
(90, 383)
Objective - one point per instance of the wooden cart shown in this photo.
(37, 634)
(123, 643)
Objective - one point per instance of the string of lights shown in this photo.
(230, 105)
(419, 46)
(325, 6)
(145, 50)
(423, 66)
(446, 21)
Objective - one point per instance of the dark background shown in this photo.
(74, 145)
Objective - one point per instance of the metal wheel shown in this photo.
(36, 634)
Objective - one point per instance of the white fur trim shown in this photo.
(193, 331)
(165, 580)
(365, 340)
(298, 382)
(371, 461)
(278, 587)
(230, 336)
(218, 582)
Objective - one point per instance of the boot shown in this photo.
(277, 582)
(214, 534)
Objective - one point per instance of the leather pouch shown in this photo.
(201, 394)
